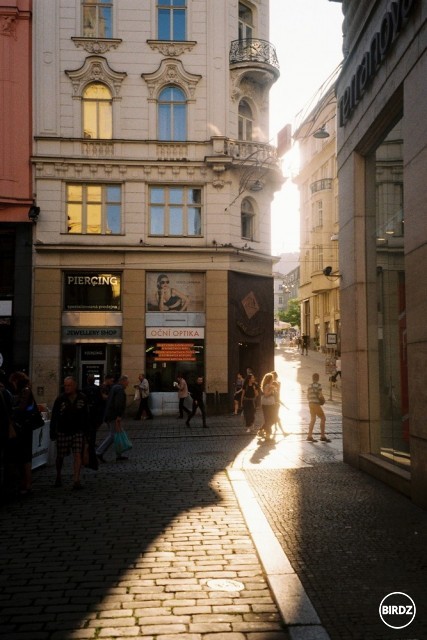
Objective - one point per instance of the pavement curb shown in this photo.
(299, 615)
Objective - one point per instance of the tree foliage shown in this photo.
(292, 313)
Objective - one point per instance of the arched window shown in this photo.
(245, 22)
(172, 114)
(247, 219)
(97, 112)
(245, 121)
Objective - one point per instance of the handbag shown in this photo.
(321, 398)
(34, 417)
(121, 442)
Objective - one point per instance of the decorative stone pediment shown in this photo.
(96, 69)
(171, 48)
(171, 71)
(96, 45)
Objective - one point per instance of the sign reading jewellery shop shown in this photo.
(92, 291)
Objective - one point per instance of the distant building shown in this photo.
(318, 187)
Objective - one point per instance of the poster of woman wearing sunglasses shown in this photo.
(177, 292)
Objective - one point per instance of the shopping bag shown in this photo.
(121, 442)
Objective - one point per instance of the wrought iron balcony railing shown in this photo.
(253, 50)
(321, 185)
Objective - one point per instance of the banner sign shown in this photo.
(175, 333)
(92, 291)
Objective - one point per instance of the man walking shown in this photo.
(116, 405)
(315, 400)
(197, 392)
(144, 411)
(182, 389)
(69, 426)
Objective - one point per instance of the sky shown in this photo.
(307, 36)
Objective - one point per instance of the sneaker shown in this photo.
(324, 439)
(120, 458)
(311, 439)
(100, 457)
(187, 423)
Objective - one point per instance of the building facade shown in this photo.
(16, 192)
(382, 160)
(154, 176)
(318, 187)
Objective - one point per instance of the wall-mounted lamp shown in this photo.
(33, 213)
(321, 133)
(256, 186)
(327, 271)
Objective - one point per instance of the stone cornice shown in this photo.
(96, 69)
(96, 45)
(171, 48)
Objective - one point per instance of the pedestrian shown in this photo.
(69, 426)
(21, 451)
(277, 401)
(315, 401)
(249, 396)
(268, 388)
(304, 347)
(144, 412)
(93, 394)
(5, 437)
(116, 405)
(182, 388)
(237, 394)
(197, 393)
(337, 369)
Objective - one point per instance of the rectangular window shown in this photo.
(171, 16)
(97, 18)
(94, 208)
(175, 211)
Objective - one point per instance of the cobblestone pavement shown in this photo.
(169, 546)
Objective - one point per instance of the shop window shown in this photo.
(166, 358)
(97, 18)
(97, 112)
(171, 19)
(390, 309)
(247, 220)
(94, 208)
(175, 211)
(172, 114)
(245, 121)
(245, 22)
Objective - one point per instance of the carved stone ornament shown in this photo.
(171, 72)
(8, 25)
(171, 49)
(97, 45)
(96, 69)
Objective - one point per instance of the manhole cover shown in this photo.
(225, 585)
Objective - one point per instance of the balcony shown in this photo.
(321, 185)
(257, 58)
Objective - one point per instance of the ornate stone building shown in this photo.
(154, 177)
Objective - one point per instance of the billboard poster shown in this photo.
(175, 291)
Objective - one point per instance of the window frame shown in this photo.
(86, 201)
(245, 121)
(97, 101)
(98, 6)
(168, 117)
(167, 206)
(247, 217)
(173, 9)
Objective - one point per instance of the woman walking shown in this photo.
(268, 402)
(249, 396)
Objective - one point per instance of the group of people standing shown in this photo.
(248, 393)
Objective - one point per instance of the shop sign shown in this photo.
(392, 24)
(175, 333)
(92, 291)
(174, 352)
(90, 333)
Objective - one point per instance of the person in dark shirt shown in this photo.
(197, 392)
(69, 426)
(116, 405)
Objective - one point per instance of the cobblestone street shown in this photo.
(205, 534)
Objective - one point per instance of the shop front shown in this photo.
(91, 325)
